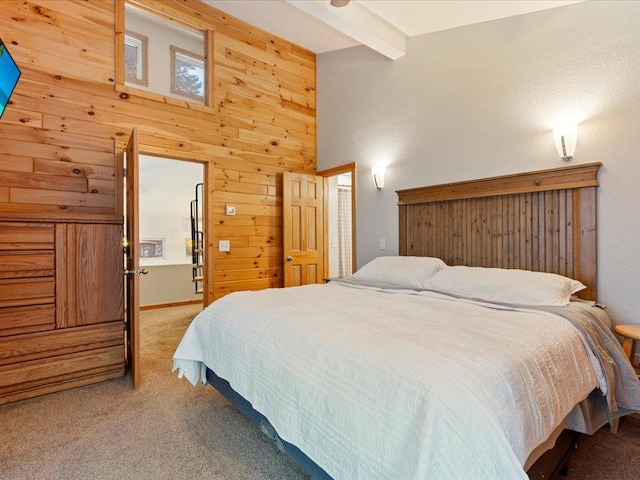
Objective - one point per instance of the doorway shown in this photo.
(340, 220)
(167, 188)
(128, 204)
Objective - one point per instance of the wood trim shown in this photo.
(61, 217)
(346, 168)
(325, 225)
(541, 221)
(208, 226)
(354, 209)
(170, 304)
(173, 101)
(209, 63)
(119, 194)
(119, 42)
(62, 284)
(539, 181)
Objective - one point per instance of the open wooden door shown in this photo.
(303, 227)
(132, 259)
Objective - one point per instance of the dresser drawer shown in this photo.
(35, 318)
(29, 291)
(26, 236)
(22, 264)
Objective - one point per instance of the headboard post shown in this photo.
(542, 221)
(402, 220)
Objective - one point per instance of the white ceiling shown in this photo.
(380, 24)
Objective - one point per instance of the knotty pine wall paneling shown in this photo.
(59, 137)
(59, 140)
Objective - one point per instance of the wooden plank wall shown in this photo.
(60, 136)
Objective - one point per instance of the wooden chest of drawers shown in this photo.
(61, 305)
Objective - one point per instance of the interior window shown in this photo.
(188, 73)
(161, 55)
(135, 58)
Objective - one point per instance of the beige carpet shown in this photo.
(171, 430)
(608, 456)
(167, 429)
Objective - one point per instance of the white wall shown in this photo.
(480, 101)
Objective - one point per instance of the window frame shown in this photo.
(166, 14)
(143, 58)
(175, 51)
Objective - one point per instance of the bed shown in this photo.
(465, 357)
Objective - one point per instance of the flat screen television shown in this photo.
(9, 75)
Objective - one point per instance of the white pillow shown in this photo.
(402, 271)
(503, 285)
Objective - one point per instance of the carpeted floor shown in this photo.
(608, 456)
(169, 429)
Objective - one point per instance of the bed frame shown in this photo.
(542, 221)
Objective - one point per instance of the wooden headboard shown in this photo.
(542, 221)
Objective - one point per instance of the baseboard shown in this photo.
(171, 304)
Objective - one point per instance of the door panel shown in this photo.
(132, 259)
(95, 281)
(303, 229)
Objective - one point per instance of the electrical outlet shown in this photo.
(224, 246)
(230, 210)
(383, 244)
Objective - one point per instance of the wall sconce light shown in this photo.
(565, 138)
(378, 174)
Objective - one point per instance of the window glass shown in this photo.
(135, 58)
(188, 73)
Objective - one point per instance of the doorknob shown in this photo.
(289, 258)
(144, 271)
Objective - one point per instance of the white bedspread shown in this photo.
(394, 385)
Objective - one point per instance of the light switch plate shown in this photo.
(224, 246)
(230, 210)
